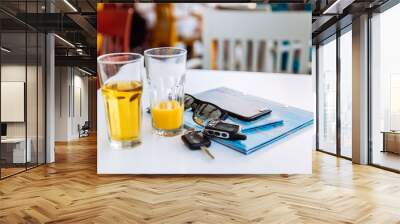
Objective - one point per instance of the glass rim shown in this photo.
(101, 58)
(181, 53)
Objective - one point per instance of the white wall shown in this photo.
(62, 82)
(12, 73)
(80, 109)
(71, 94)
(33, 126)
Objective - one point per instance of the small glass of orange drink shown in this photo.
(166, 69)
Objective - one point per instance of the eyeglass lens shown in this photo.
(189, 100)
(206, 112)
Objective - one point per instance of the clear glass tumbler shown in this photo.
(166, 69)
(122, 86)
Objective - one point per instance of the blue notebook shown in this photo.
(281, 122)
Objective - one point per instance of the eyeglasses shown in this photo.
(204, 111)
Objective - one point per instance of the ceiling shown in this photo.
(72, 20)
(77, 24)
(331, 15)
(39, 6)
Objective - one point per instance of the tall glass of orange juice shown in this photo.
(121, 86)
(166, 69)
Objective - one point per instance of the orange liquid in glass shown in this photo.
(167, 115)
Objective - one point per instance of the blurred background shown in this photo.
(273, 38)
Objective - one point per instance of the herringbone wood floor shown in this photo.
(70, 191)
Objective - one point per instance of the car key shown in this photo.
(195, 140)
(224, 130)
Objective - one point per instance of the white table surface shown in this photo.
(13, 140)
(168, 155)
(19, 150)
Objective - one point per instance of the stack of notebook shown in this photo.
(275, 126)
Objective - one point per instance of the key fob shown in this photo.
(224, 130)
(195, 140)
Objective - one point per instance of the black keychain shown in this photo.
(195, 140)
